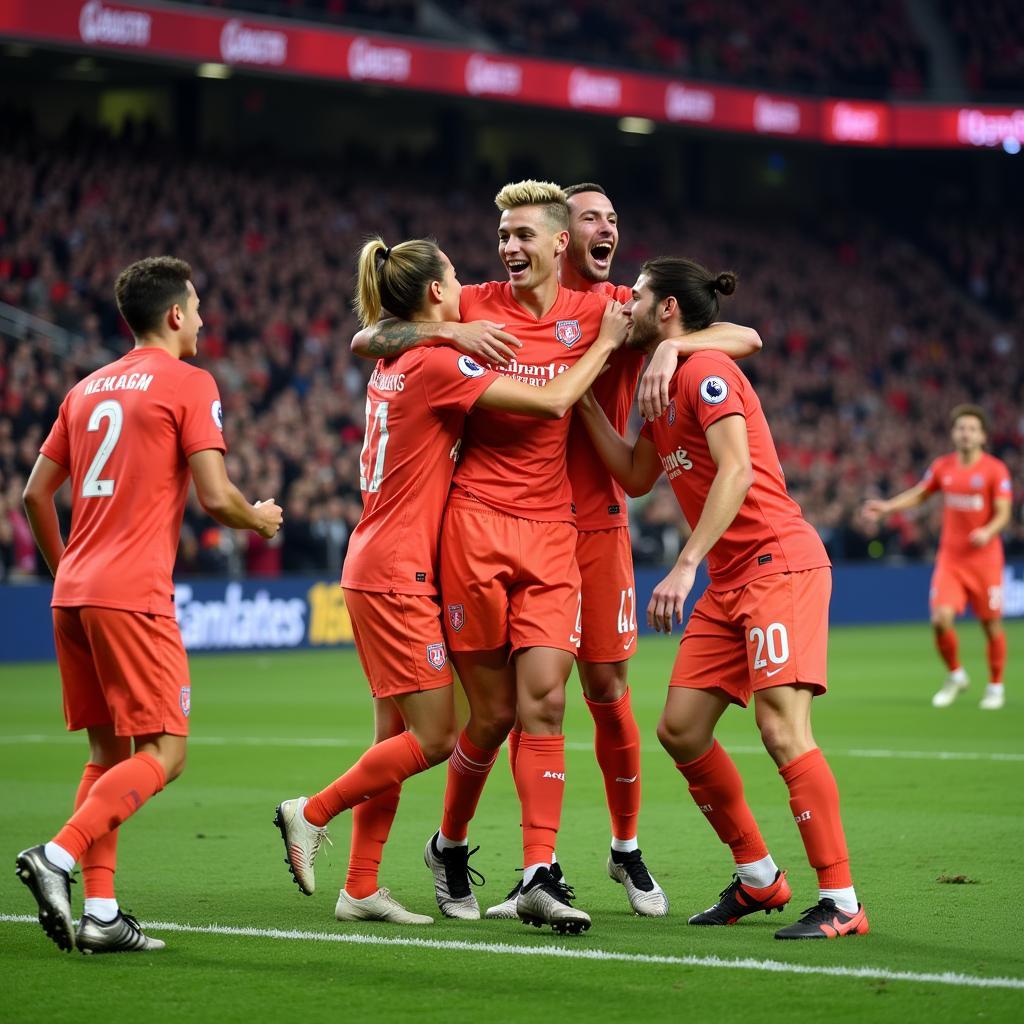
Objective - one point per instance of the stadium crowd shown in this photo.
(868, 339)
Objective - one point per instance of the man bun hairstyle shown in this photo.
(692, 285)
(966, 409)
(536, 193)
(147, 289)
(395, 279)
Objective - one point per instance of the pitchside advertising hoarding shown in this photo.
(177, 33)
(310, 613)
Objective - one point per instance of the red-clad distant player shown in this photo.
(509, 580)
(761, 627)
(416, 406)
(130, 436)
(604, 550)
(977, 497)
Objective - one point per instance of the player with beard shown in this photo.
(604, 550)
(760, 629)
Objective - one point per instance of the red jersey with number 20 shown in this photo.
(125, 434)
(512, 462)
(968, 496)
(416, 407)
(769, 534)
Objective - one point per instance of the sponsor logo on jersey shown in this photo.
(185, 700)
(437, 656)
(568, 332)
(965, 502)
(677, 460)
(217, 412)
(470, 368)
(714, 390)
(671, 412)
(456, 616)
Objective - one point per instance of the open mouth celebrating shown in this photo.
(601, 254)
(517, 268)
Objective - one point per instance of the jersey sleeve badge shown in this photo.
(470, 368)
(714, 390)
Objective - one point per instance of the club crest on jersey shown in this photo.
(437, 656)
(671, 412)
(977, 480)
(456, 616)
(185, 700)
(714, 390)
(568, 332)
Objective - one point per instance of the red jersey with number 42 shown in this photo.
(517, 463)
(968, 498)
(769, 534)
(125, 434)
(600, 501)
(416, 407)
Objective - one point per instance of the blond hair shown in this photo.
(545, 194)
(396, 278)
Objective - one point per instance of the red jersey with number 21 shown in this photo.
(416, 407)
(769, 534)
(125, 434)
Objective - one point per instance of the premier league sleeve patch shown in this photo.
(470, 368)
(714, 390)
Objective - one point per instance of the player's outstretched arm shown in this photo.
(735, 340)
(482, 339)
(43, 483)
(555, 400)
(224, 501)
(730, 449)
(876, 509)
(635, 467)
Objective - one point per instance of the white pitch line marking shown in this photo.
(341, 742)
(564, 952)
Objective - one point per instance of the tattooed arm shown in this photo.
(482, 339)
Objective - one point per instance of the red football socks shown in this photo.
(385, 764)
(617, 745)
(717, 789)
(100, 861)
(513, 747)
(113, 798)
(371, 825)
(468, 768)
(949, 648)
(996, 651)
(540, 783)
(814, 800)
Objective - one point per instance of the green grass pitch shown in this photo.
(205, 853)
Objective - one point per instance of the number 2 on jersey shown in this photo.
(371, 458)
(92, 485)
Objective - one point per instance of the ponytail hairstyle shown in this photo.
(395, 279)
(692, 285)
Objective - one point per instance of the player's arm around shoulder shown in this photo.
(636, 466)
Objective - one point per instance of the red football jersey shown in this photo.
(769, 534)
(600, 501)
(125, 433)
(512, 462)
(968, 497)
(416, 407)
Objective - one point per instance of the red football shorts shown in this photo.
(956, 582)
(771, 632)
(508, 581)
(605, 558)
(123, 668)
(399, 641)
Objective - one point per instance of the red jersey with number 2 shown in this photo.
(125, 434)
(769, 534)
(416, 407)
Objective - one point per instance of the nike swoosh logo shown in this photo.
(774, 672)
(573, 639)
(635, 777)
(627, 646)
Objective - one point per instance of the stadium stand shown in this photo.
(869, 338)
